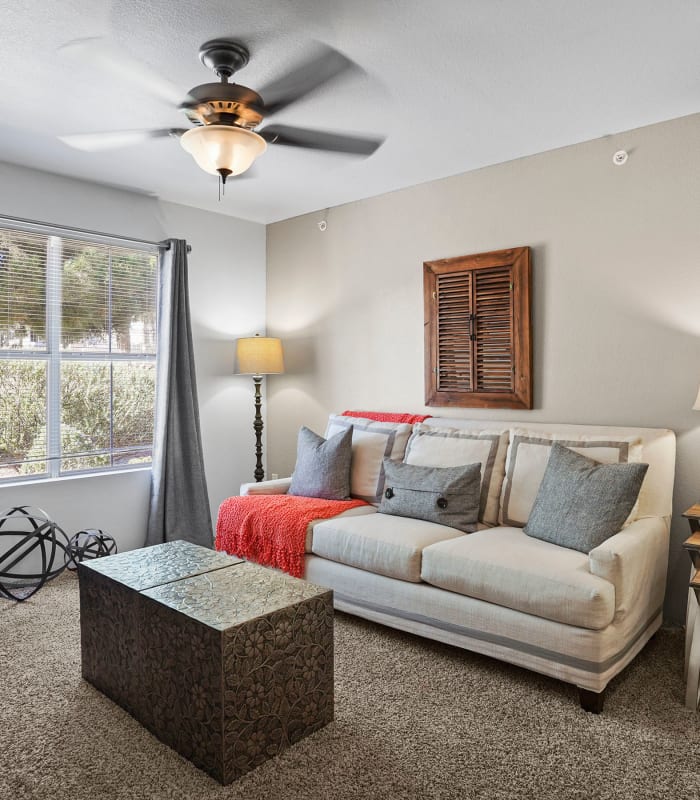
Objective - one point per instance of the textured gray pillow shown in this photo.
(580, 502)
(323, 465)
(447, 495)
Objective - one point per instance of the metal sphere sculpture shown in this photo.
(88, 544)
(32, 551)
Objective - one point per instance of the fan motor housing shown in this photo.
(223, 104)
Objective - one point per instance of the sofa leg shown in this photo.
(591, 701)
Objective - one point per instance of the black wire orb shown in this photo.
(33, 550)
(88, 544)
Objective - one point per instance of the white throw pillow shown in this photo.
(372, 442)
(528, 454)
(453, 447)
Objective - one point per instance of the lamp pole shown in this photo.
(258, 428)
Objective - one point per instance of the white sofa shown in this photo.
(574, 616)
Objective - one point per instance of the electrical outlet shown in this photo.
(274, 476)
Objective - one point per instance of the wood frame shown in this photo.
(517, 260)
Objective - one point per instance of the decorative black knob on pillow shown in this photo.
(441, 502)
(389, 493)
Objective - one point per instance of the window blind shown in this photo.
(77, 354)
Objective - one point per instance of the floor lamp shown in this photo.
(257, 356)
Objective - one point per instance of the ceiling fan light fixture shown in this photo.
(223, 149)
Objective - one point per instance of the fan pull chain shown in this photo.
(223, 174)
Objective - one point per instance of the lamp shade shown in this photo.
(223, 147)
(696, 405)
(259, 355)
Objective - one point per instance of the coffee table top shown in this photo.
(160, 564)
(226, 598)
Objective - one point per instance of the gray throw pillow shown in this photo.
(323, 465)
(580, 502)
(446, 495)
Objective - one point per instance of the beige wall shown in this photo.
(616, 264)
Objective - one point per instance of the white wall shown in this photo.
(616, 289)
(227, 298)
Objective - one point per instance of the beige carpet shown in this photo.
(414, 719)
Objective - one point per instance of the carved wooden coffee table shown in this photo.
(225, 661)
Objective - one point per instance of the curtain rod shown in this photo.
(87, 232)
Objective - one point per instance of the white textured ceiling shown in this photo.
(453, 85)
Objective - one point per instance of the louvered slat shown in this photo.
(454, 347)
(494, 330)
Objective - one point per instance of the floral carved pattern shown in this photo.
(181, 684)
(161, 563)
(109, 640)
(278, 679)
(228, 666)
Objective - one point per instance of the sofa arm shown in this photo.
(635, 561)
(278, 486)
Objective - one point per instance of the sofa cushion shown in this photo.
(581, 503)
(446, 495)
(379, 543)
(451, 447)
(528, 453)
(358, 511)
(323, 465)
(509, 568)
(371, 443)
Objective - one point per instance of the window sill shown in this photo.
(82, 476)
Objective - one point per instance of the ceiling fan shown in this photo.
(225, 115)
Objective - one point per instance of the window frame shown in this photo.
(518, 261)
(53, 356)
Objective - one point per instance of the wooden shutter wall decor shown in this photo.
(478, 346)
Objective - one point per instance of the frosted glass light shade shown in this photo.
(259, 355)
(216, 147)
(696, 405)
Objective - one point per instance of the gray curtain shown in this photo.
(179, 500)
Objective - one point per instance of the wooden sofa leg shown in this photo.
(591, 701)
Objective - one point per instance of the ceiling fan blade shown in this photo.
(113, 140)
(97, 51)
(320, 140)
(302, 79)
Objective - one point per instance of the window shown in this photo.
(478, 349)
(77, 354)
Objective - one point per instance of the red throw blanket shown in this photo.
(381, 416)
(271, 528)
